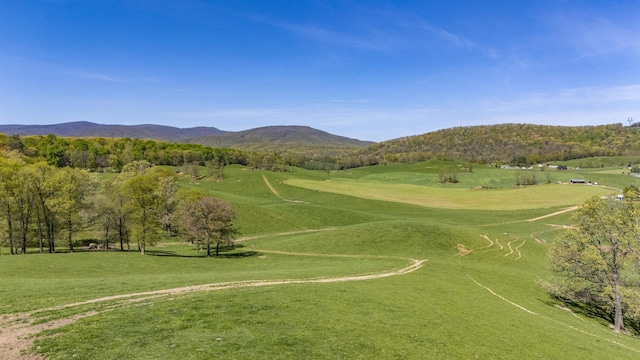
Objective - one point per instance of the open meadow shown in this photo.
(380, 262)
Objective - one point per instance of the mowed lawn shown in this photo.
(513, 198)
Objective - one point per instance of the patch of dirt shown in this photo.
(462, 250)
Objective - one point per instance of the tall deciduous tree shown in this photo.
(24, 200)
(167, 202)
(8, 187)
(45, 186)
(206, 220)
(76, 186)
(115, 212)
(145, 192)
(594, 260)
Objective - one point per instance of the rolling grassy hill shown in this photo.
(303, 283)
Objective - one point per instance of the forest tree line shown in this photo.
(112, 154)
(42, 205)
(515, 144)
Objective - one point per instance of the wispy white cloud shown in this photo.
(90, 75)
(425, 80)
(377, 29)
(350, 38)
(447, 36)
(569, 107)
(108, 77)
(582, 97)
(595, 33)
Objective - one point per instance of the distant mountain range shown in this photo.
(503, 143)
(263, 138)
(89, 129)
(268, 137)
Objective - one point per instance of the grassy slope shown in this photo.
(444, 310)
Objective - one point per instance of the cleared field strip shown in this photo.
(531, 197)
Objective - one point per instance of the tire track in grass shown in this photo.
(550, 319)
(486, 237)
(19, 331)
(266, 181)
(518, 249)
(462, 250)
(273, 190)
(510, 249)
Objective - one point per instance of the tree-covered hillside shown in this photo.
(273, 148)
(512, 143)
(301, 139)
(294, 139)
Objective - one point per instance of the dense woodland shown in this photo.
(42, 205)
(521, 144)
(112, 154)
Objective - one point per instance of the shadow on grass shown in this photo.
(227, 252)
(237, 255)
(156, 252)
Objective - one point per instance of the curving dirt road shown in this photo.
(18, 331)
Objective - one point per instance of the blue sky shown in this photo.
(372, 70)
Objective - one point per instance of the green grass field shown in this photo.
(303, 282)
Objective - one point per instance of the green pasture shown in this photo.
(514, 198)
(476, 296)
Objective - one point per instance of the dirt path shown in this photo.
(572, 208)
(18, 331)
(283, 234)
